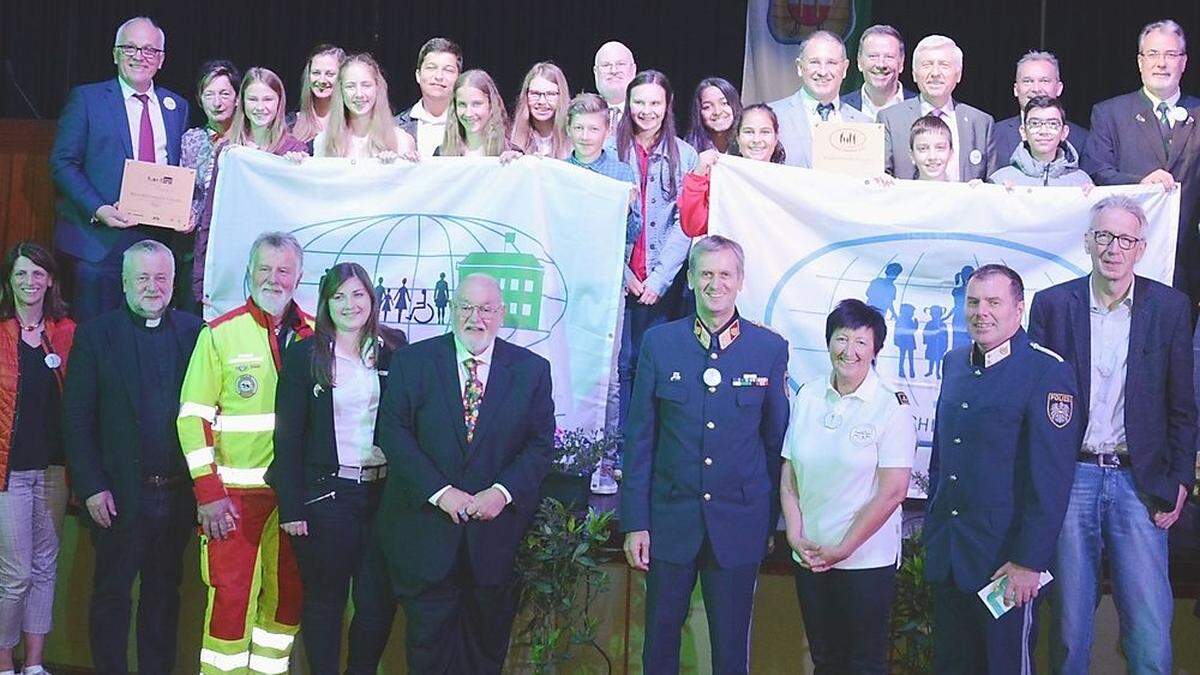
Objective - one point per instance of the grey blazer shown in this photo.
(795, 133)
(974, 134)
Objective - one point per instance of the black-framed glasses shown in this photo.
(146, 52)
(1103, 238)
(1048, 125)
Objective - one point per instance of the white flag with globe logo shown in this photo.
(552, 234)
(813, 238)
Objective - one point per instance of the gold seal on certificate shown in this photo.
(854, 148)
(157, 194)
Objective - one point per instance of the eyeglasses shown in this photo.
(613, 65)
(1103, 238)
(1048, 125)
(146, 52)
(1155, 55)
(544, 95)
(485, 311)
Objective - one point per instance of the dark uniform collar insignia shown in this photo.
(723, 336)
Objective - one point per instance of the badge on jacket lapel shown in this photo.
(168, 103)
(976, 156)
(1060, 408)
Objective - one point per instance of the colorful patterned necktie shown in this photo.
(145, 151)
(472, 397)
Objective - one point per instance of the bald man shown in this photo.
(614, 68)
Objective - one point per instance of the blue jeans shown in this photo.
(1106, 514)
(638, 319)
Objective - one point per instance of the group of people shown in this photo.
(324, 458)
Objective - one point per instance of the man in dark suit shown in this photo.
(881, 61)
(1129, 339)
(937, 69)
(102, 125)
(1151, 136)
(1005, 437)
(702, 462)
(467, 425)
(438, 65)
(119, 411)
(1037, 75)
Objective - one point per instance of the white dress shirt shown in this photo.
(810, 108)
(133, 111)
(836, 444)
(483, 368)
(431, 129)
(355, 404)
(1171, 101)
(1105, 431)
(868, 106)
(951, 120)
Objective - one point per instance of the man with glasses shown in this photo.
(102, 125)
(467, 424)
(881, 61)
(1044, 157)
(937, 69)
(1037, 75)
(1129, 340)
(438, 64)
(1150, 136)
(614, 68)
(822, 66)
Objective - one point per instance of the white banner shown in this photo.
(552, 234)
(812, 239)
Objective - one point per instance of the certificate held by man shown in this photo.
(158, 194)
(854, 148)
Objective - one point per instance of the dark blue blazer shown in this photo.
(1006, 135)
(422, 432)
(854, 98)
(102, 403)
(1003, 460)
(1125, 145)
(1160, 406)
(405, 121)
(88, 160)
(673, 460)
(305, 437)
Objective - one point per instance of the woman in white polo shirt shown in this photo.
(847, 456)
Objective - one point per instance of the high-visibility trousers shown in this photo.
(254, 591)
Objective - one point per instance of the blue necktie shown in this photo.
(824, 110)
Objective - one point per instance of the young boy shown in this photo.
(1045, 157)
(931, 146)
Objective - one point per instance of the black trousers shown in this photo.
(151, 547)
(339, 548)
(846, 615)
(967, 640)
(728, 602)
(457, 626)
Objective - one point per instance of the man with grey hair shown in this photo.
(467, 424)
(700, 495)
(126, 372)
(881, 61)
(226, 430)
(1150, 136)
(1129, 339)
(822, 66)
(937, 69)
(1037, 75)
(102, 125)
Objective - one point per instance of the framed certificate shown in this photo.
(157, 194)
(854, 148)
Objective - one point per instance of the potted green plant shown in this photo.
(577, 453)
(561, 576)
(912, 611)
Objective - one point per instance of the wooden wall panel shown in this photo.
(26, 191)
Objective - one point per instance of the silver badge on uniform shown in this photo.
(1060, 408)
(247, 386)
(712, 377)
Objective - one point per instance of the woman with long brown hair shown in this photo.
(540, 117)
(328, 470)
(317, 83)
(35, 341)
(478, 123)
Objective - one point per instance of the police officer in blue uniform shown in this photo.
(1003, 460)
(702, 459)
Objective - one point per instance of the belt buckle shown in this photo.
(1108, 460)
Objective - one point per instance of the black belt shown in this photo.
(1105, 460)
(155, 480)
(361, 474)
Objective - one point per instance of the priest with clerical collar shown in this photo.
(1000, 472)
(700, 494)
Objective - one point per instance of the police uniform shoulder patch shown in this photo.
(1060, 408)
(901, 398)
(1046, 350)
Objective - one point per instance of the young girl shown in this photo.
(360, 123)
(716, 108)
(540, 119)
(316, 90)
(478, 121)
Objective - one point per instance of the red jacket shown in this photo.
(693, 205)
(57, 337)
